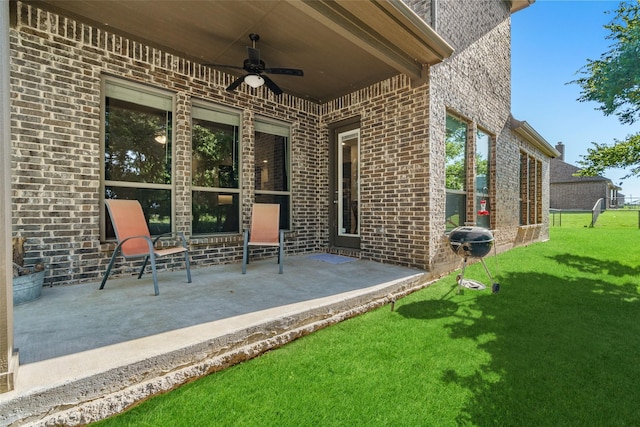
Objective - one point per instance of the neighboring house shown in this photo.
(568, 191)
(399, 130)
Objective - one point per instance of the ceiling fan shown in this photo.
(256, 70)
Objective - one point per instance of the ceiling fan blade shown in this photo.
(285, 71)
(254, 55)
(271, 85)
(235, 84)
(223, 66)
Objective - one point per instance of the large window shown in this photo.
(138, 151)
(272, 168)
(530, 190)
(455, 151)
(215, 185)
(482, 178)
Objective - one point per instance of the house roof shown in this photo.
(529, 134)
(562, 172)
(340, 45)
(517, 5)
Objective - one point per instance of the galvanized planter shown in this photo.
(27, 288)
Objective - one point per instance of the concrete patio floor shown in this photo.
(86, 354)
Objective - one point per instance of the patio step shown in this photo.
(108, 380)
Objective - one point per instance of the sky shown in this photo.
(551, 42)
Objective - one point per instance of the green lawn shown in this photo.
(559, 345)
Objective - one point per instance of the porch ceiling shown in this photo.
(341, 45)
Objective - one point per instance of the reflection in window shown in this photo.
(348, 189)
(272, 168)
(137, 143)
(138, 152)
(156, 205)
(483, 173)
(455, 169)
(215, 148)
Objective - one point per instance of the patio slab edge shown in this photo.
(102, 393)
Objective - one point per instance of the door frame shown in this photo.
(335, 239)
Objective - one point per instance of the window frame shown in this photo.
(227, 115)
(278, 128)
(479, 194)
(530, 174)
(112, 85)
(465, 190)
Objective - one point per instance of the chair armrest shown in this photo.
(142, 236)
(178, 234)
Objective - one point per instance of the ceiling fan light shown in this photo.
(254, 80)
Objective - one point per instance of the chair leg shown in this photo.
(106, 274)
(281, 252)
(188, 266)
(152, 258)
(144, 264)
(245, 252)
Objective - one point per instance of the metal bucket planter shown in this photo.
(28, 287)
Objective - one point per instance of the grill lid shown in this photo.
(473, 242)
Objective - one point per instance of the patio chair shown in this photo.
(134, 239)
(265, 231)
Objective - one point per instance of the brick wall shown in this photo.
(56, 69)
(394, 176)
(475, 85)
(578, 195)
(570, 192)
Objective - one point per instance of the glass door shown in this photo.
(348, 183)
(345, 186)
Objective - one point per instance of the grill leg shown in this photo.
(460, 277)
(486, 269)
(495, 287)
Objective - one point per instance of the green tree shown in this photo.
(622, 154)
(613, 81)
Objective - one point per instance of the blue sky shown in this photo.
(551, 42)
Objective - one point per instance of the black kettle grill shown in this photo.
(472, 242)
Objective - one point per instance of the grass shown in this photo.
(557, 346)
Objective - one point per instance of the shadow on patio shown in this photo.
(85, 352)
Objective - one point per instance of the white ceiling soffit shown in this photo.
(388, 30)
(341, 45)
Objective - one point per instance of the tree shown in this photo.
(613, 81)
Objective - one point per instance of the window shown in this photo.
(138, 152)
(482, 178)
(455, 169)
(215, 203)
(272, 168)
(530, 190)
